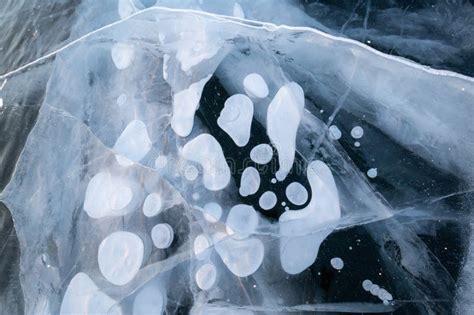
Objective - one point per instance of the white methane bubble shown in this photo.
(261, 154)
(337, 263)
(206, 151)
(296, 193)
(372, 173)
(255, 86)
(357, 132)
(83, 296)
(120, 257)
(236, 118)
(283, 118)
(185, 104)
(249, 182)
(206, 276)
(334, 132)
(107, 195)
(149, 300)
(267, 200)
(366, 284)
(153, 205)
(162, 235)
(241, 257)
(242, 221)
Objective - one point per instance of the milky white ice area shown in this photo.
(185, 104)
(162, 235)
(120, 257)
(205, 150)
(133, 143)
(122, 55)
(107, 195)
(84, 297)
(206, 276)
(283, 118)
(153, 205)
(236, 118)
(249, 182)
(296, 193)
(261, 154)
(255, 86)
(267, 200)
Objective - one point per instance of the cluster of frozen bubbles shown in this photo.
(377, 291)
(122, 253)
(357, 132)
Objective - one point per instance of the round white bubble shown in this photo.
(366, 284)
(372, 173)
(337, 263)
(334, 132)
(261, 154)
(162, 235)
(255, 86)
(206, 276)
(153, 205)
(267, 200)
(190, 172)
(357, 144)
(357, 132)
(296, 193)
(120, 257)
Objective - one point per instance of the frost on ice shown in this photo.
(125, 186)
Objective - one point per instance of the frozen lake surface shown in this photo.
(236, 157)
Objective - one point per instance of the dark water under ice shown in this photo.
(439, 34)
